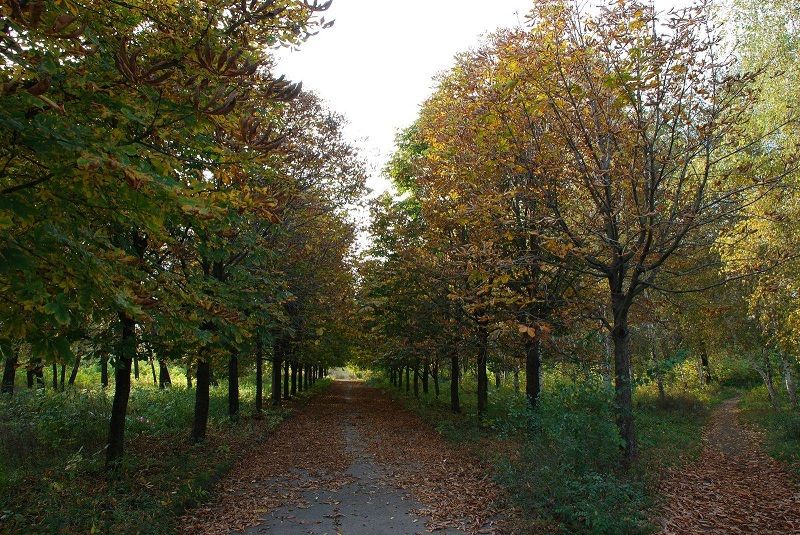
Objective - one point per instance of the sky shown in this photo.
(376, 64)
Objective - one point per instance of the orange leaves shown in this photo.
(538, 330)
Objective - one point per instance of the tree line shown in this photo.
(594, 186)
(165, 197)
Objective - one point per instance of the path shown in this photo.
(733, 488)
(353, 462)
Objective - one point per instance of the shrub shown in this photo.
(566, 473)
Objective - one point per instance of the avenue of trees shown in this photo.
(610, 188)
(167, 200)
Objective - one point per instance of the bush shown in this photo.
(567, 471)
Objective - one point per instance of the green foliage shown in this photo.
(567, 471)
(52, 453)
(781, 425)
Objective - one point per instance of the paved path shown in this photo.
(352, 462)
(733, 488)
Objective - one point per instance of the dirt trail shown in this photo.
(352, 462)
(733, 488)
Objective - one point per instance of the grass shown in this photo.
(560, 463)
(781, 424)
(52, 454)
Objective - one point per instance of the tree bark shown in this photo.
(63, 376)
(416, 380)
(36, 373)
(55, 376)
(533, 369)
(705, 367)
(516, 379)
(497, 380)
(189, 377)
(293, 390)
(74, 373)
(9, 374)
(122, 391)
(104, 371)
(233, 385)
(425, 374)
(435, 374)
(788, 380)
(483, 378)
(136, 365)
(286, 378)
(455, 404)
(164, 380)
(153, 368)
(300, 376)
(259, 375)
(408, 379)
(623, 393)
(201, 401)
(277, 354)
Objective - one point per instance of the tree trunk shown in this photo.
(533, 369)
(122, 391)
(201, 401)
(623, 393)
(455, 404)
(408, 379)
(765, 371)
(425, 373)
(9, 375)
(164, 380)
(435, 373)
(259, 375)
(306, 370)
(36, 373)
(104, 371)
(788, 380)
(63, 376)
(497, 380)
(608, 358)
(399, 373)
(516, 380)
(705, 368)
(300, 376)
(277, 353)
(153, 368)
(233, 385)
(293, 390)
(55, 376)
(136, 365)
(189, 377)
(483, 378)
(74, 373)
(286, 378)
(416, 380)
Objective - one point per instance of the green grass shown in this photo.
(52, 454)
(560, 463)
(781, 424)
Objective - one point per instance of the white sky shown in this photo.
(376, 64)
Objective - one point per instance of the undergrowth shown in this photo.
(560, 462)
(52, 455)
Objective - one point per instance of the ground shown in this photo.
(734, 487)
(355, 462)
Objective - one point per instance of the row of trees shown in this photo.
(576, 181)
(163, 193)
